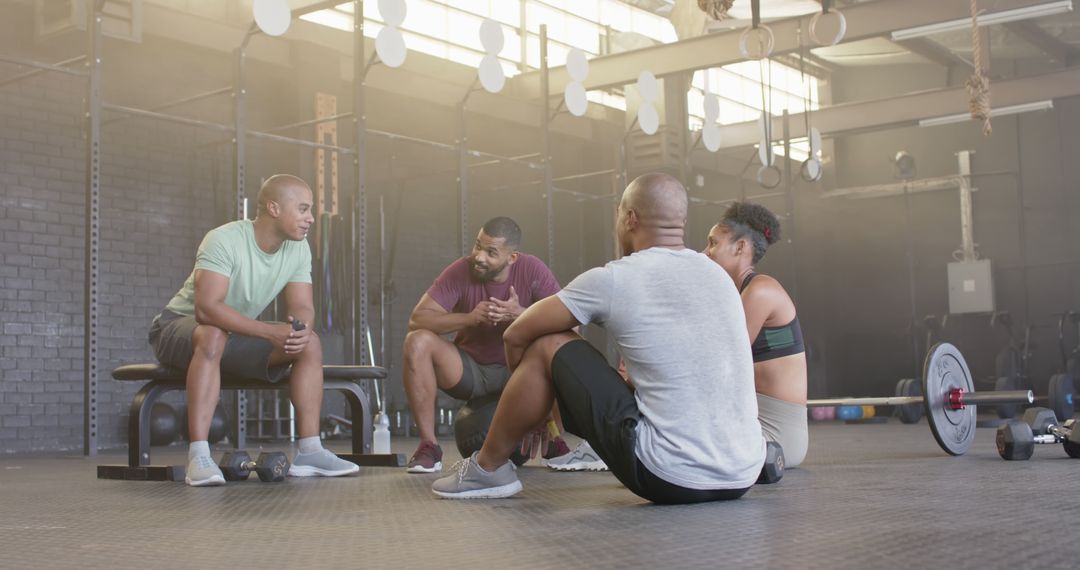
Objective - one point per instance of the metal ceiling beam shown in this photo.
(864, 20)
(907, 110)
(812, 68)
(1031, 33)
(933, 51)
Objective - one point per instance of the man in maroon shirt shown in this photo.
(476, 297)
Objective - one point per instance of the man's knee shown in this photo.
(419, 344)
(208, 342)
(549, 344)
(313, 351)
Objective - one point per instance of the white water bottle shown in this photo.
(382, 433)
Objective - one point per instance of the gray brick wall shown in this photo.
(152, 179)
(164, 186)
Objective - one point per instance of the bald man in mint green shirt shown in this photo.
(210, 326)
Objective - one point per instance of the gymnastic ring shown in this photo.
(768, 176)
(811, 170)
(756, 43)
(841, 28)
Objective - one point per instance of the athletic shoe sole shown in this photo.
(213, 481)
(309, 471)
(421, 469)
(582, 466)
(500, 492)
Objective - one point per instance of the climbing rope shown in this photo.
(715, 9)
(978, 85)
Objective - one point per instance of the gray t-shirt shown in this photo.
(679, 324)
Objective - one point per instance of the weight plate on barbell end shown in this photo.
(909, 413)
(1003, 384)
(945, 370)
(1060, 395)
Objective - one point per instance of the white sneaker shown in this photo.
(582, 458)
(202, 472)
(470, 481)
(322, 463)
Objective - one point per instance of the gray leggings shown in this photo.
(784, 423)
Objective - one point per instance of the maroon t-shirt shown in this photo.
(458, 291)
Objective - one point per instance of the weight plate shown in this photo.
(909, 413)
(1061, 395)
(945, 370)
(1005, 383)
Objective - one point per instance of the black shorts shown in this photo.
(244, 356)
(478, 379)
(597, 405)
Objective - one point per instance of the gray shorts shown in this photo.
(244, 356)
(478, 379)
(785, 423)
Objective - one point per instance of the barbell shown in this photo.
(949, 399)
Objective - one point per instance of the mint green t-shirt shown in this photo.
(255, 277)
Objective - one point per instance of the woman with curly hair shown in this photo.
(737, 243)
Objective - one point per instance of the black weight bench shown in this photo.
(159, 380)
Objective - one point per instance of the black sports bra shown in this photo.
(775, 342)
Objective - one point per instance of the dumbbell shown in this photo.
(270, 467)
(773, 470)
(1016, 439)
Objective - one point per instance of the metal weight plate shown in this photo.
(1060, 399)
(1005, 383)
(909, 413)
(944, 370)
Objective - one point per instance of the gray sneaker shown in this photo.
(322, 463)
(582, 458)
(202, 472)
(470, 481)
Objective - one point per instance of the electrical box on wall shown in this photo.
(971, 287)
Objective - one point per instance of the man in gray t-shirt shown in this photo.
(681, 426)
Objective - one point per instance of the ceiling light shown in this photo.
(997, 112)
(986, 19)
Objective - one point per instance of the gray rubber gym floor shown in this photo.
(868, 496)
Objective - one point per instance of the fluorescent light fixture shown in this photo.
(988, 19)
(996, 112)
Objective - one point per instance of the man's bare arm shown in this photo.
(430, 315)
(547, 316)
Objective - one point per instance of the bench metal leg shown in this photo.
(138, 467)
(139, 422)
(360, 414)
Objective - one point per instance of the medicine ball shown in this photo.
(219, 425)
(164, 424)
(471, 426)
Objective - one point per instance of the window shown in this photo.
(450, 29)
(742, 96)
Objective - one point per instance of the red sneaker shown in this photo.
(556, 448)
(426, 459)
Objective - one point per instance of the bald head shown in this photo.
(280, 188)
(659, 200)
